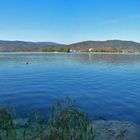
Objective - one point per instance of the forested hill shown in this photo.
(86, 45)
(26, 46)
(117, 44)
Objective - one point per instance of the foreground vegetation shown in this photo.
(66, 123)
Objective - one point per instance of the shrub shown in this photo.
(66, 123)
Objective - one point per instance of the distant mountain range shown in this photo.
(80, 46)
(26, 46)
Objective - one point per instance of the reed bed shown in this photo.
(66, 122)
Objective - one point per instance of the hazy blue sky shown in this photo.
(68, 21)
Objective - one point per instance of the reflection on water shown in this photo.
(104, 85)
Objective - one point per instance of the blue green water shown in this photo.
(104, 85)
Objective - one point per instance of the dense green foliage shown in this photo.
(66, 123)
(56, 50)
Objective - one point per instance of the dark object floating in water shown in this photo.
(27, 63)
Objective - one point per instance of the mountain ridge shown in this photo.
(6, 45)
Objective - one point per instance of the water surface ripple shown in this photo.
(104, 85)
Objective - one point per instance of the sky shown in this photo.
(69, 21)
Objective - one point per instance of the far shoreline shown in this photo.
(39, 52)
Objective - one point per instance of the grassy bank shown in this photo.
(66, 122)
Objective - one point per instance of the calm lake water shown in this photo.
(104, 85)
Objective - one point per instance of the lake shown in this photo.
(104, 85)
